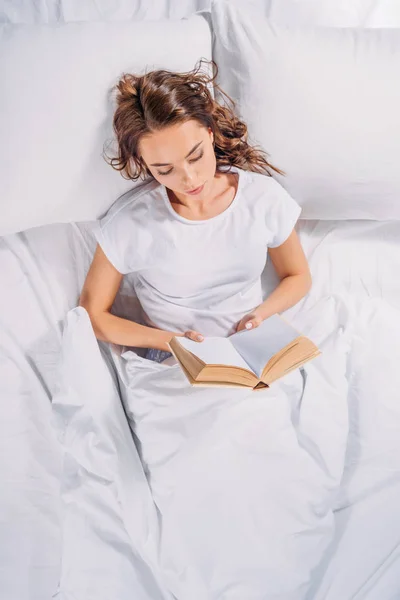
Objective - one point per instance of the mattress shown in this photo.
(43, 271)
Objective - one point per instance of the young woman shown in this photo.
(196, 235)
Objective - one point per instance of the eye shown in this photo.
(197, 158)
(165, 172)
(191, 161)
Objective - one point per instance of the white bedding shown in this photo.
(61, 11)
(331, 13)
(354, 267)
(83, 525)
(224, 468)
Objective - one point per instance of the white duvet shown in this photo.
(121, 537)
(236, 495)
(230, 494)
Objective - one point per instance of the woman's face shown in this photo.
(182, 158)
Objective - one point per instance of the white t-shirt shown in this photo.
(201, 275)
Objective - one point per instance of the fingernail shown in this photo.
(200, 338)
(249, 325)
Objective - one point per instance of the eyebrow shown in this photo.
(187, 155)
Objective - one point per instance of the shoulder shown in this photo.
(272, 205)
(260, 185)
(120, 232)
(266, 190)
(130, 207)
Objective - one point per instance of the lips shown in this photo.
(196, 190)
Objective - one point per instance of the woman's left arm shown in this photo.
(292, 268)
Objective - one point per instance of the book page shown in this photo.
(259, 345)
(215, 351)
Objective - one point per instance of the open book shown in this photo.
(251, 358)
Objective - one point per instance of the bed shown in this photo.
(102, 497)
(353, 261)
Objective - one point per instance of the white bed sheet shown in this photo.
(42, 273)
(364, 560)
(61, 11)
(358, 258)
(328, 13)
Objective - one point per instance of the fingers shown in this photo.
(194, 335)
(249, 323)
(252, 323)
(240, 326)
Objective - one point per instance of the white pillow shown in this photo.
(336, 13)
(324, 103)
(63, 11)
(56, 110)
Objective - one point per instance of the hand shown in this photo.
(195, 336)
(250, 321)
(164, 338)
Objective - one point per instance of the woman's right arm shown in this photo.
(101, 286)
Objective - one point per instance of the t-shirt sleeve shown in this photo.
(114, 235)
(282, 215)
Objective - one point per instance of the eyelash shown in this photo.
(191, 161)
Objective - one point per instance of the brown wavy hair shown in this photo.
(161, 98)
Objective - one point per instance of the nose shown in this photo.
(188, 177)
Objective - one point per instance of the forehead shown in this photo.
(171, 144)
